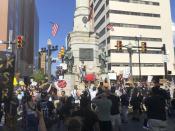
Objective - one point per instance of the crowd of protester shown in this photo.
(104, 107)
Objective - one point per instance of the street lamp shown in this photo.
(49, 52)
(138, 45)
(129, 47)
(49, 44)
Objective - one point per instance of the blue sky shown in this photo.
(61, 12)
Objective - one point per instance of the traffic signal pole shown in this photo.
(165, 63)
(138, 40)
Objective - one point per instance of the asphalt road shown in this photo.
(130, 126)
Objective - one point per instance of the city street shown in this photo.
(93, 59)
(130, 126)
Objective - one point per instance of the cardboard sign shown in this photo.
(112, 76)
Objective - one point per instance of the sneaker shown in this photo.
(1, 124)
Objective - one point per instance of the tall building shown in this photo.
(134, 22)
(21, 17)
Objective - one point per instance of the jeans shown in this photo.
(116, 122)
(157, 125)
(124, 113)
(32, 123)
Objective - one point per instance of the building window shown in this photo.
(97, 5)
(137, 64)
(134, 38)
(136, 26)
(134, 13)
(140, 2)
(107, 14)
(107, 3)
(102, 32)
(102, 44)
(108, 40)
(135, 51)
(100, 23)
(99, 12)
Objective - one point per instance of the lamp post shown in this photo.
(49, 58)
(49, 44)
(129, 47)
(138, 45)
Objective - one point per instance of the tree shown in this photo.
(39, 76)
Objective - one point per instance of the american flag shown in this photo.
(54, 28)
(110, 27)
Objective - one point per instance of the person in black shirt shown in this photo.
(115, 113)
(89, 118)
(124, 106)
(156, 112)
(47, 107)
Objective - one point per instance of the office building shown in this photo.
(136, 23)
(21, 17)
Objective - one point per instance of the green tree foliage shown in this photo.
(39, 76)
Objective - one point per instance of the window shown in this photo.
(99, 12)
(134, 13)
(100, 23)
(102, 32)
(140, 2)
(137, 64)
(107, 3)
(136, 26)
(134, 38)
(97, 5)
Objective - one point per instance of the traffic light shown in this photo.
(62, 51)
(119, 46)
(143, 47)
(20, 41)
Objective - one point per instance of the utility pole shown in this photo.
(130, 57)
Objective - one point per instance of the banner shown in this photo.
(7, 70)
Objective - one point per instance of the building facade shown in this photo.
(134, 22)
(21, 17)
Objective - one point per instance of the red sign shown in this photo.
(61, 83)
